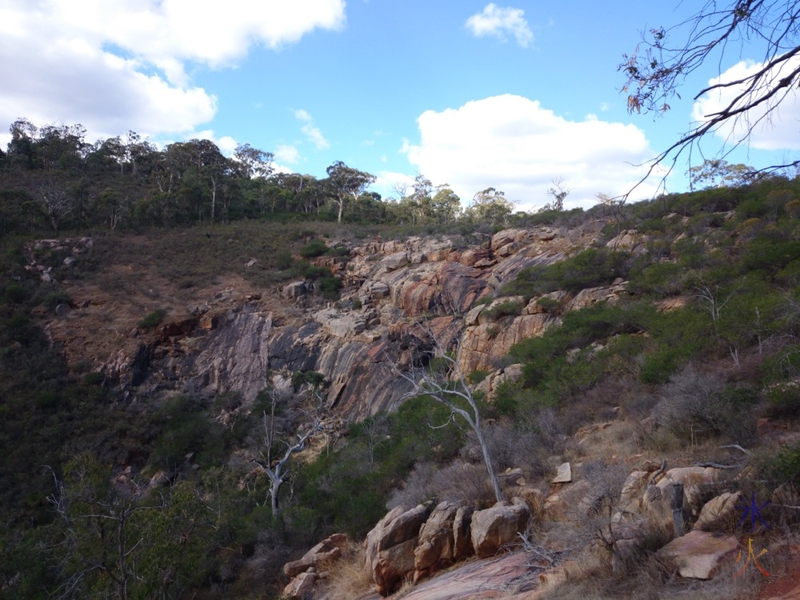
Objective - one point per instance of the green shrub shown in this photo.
(591, 268)
(314, 378)
(784, 401)
(785, 465)
(153, 319)
(284, 260)
(329, 287)
(53, 299)
(314, 248)
(661, 279)
(506, 308)
(14, 294)
(550, 305)
(477, 376)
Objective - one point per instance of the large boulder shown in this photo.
(699, 554)
(436, 545)
(327, 549)
(390, 547)
(719, 513)
(498, 526)
(394, 261)
(301, 587)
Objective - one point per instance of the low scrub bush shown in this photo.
(314, 248)
(153, 319)
(591, 268)
(506, 308)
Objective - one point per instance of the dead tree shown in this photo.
(273, 459)
(449, 387)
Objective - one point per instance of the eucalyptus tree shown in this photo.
(346, 183)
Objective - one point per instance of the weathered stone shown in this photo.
(236, 355)
(630, 500)
(296, 289)
(327, 549)
(462, 539)
(497, 526)
(435, 549)
(560, 505)
(482, 346)
(589, 296)
(390, 547)
(719, 512)
(626, 240)
(394, 261)
(698, 554)
(301, 587)
(563, 474)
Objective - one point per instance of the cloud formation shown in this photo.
(774, 125)
(313, 134)
(286, 153)
(120, 65)
(499, 22)
(513, 144)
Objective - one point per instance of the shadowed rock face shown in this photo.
(294, 348)
(357, 346)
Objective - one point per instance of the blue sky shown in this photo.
(469, 93)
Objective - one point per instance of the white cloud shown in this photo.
(226, 143)
(388, 182)
(775, 130)
(114, 66)
(498, 22)
(313, 134)
(287, 153)
(513, 144)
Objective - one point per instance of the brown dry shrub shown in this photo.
(460, 482)
(347, 575)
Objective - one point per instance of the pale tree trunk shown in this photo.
(437, 388)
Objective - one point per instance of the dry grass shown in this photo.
(347, 577)
(655, 579)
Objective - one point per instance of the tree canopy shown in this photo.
(717, 32)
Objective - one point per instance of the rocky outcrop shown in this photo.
(498, 526)
(390, 547)
(699, 554)
(436, 547)
(328, 549)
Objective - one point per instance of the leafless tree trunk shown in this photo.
(274, 464)
(451, 389)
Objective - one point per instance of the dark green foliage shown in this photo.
(784, 402)
(379, 454)
(591, 268)
(14, 294)
(660, 279)
(785, 465)
(329, 287)
(55, 298)
(508, 308)
(283, 260)
(314, 248)
(153, 319)
(187, 436)
(313, 378)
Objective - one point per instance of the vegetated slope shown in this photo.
(687, 355)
